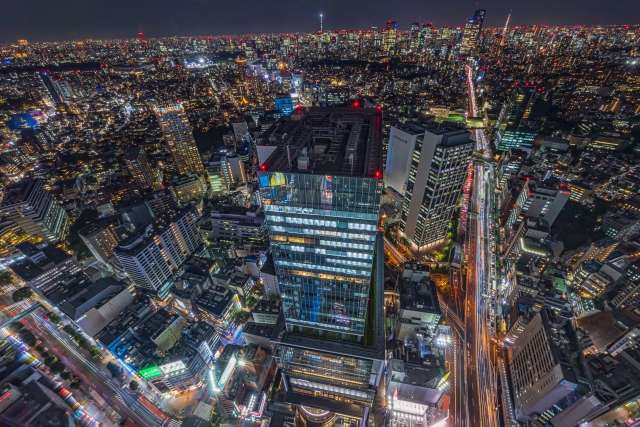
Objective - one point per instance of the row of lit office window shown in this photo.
(327, 233)
(363, 273)
(322, 251)
(320, 222)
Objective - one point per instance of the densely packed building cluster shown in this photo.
(274, 227)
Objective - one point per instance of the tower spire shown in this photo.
(504, 30)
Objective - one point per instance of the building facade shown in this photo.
(437, 171)
(178, 135)
(32, 208)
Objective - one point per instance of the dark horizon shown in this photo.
(74, 19)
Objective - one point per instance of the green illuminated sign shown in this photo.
(457, 118)
(151, 371)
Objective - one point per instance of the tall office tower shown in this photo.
(402, 141)
(236, 165)
(390, 37)
(424, 38)
(178, 135)
(546, 373)
(434, 183)
(161, 202)
(151, 258)
(32, 208)
(139, 167)
(414, 37)
(220, 176)
(321, 192)
(178, 237)
(472, 32)
(142, 261)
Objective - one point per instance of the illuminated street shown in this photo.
(343, 214)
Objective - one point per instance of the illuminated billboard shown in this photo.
(150, 372)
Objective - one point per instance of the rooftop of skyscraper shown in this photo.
(453, 134)
(343, 141)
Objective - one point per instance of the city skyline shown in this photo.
(408, 225)
(71, 20)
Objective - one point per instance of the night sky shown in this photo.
(75, 19)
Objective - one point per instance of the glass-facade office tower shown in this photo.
(178, 135)
(321, 191)
(323, 232)
(472, 32)
(321, 195)
(437, 171)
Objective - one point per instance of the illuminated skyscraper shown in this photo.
(472, 32)
(151, 257)
(321, 192)
(178, 135)
(437, 170)
(414, 37)
(32, 208)
(139, 167)
(101, 240)
(322, 197)
(390, 37)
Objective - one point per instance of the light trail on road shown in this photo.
(477, 385)
(94, 376)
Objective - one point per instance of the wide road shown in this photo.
(94, 376)
(481, 387)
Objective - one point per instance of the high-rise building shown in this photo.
(178, 135)
(187, 189)
(321, 192)
(151, 258)
(628, 294)
(220, 177)
(546, 373)
(436, 175)
(32, 208)
(390, 37)
(414, 37)
(472, 32)
(139, 167)
(402, 141)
